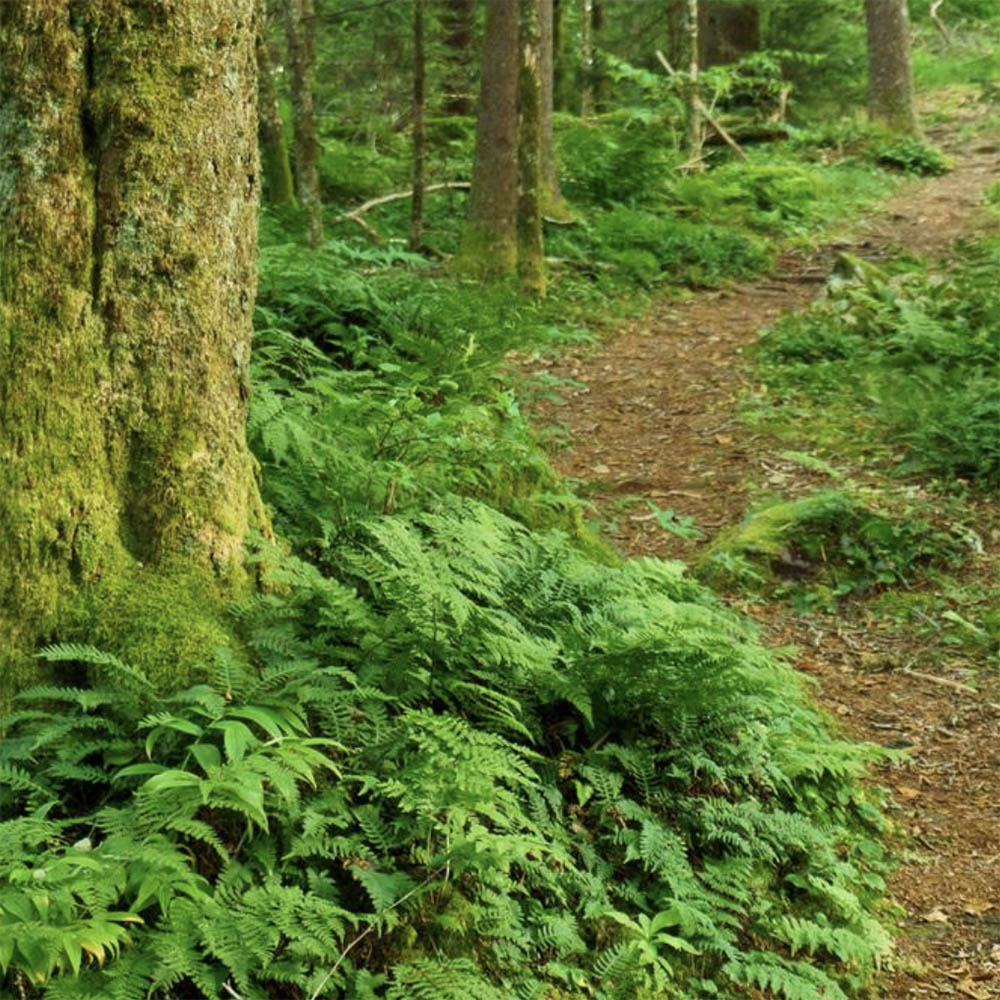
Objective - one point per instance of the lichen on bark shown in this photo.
(128, 204)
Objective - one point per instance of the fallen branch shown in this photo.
(946, 682)
(704, 112)
(356, 214)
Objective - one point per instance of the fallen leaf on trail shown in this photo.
(970, 989)
(601, 470)
(977, 907)
(724, 438)
(936, 916)
(906, 792)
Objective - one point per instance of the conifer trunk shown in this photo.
(727, 31)
(128, 212)
(530, 252)
(489, 238)
(586, 58)
(552, 199)
(459, 18)
(890, 85)
(419, 68)
(300, 17)
(276, 166)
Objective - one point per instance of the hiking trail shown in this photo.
(654, 415)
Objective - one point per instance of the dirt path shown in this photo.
(655, 418)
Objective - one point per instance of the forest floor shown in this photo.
(654, 413)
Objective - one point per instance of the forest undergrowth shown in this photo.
(463, 748)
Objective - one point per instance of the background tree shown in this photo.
(553, 204)
(727, 31)
(890, 80)
(276, 167)
(459, 23)
(530, 252)
(128, 222)
(300, 17)
(489, 237)
(419, 98)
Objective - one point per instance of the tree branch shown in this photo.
(355, 215)
(705, 113)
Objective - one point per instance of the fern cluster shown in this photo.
(455, 756)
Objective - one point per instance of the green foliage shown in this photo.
(921, 351)
(833, 542)
(459, 758)
(911, 156)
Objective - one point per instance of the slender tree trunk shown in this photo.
(489, 239)
(459, 20)
(530, 252)
(128, 203)
(890, 85)
(586, 58)
(727, 31)
(276, 166)
(692, 97)
(300, 16)
(419, 68)
(559, 75)
(553, 204)
(677, 41)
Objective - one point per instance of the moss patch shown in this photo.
(165, 621)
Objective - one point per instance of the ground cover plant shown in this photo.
(451, 754)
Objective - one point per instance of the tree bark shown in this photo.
(300, 17)
(586, 58)
(419, 68)
(890, 84)
(727, 31)
(692, 96)
(553, 204)
(530, 251)
(489, 238)
(276, 166)
(459, 21)
(128, 206)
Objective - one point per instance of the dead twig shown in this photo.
(948, 683)
(355, 215)
(938, 23)
(705, 113)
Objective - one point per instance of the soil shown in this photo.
(655, 416)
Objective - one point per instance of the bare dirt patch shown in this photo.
(655, 417)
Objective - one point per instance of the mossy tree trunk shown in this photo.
(586, 58)
(890, 83)
(694, 134)
(300, 23)
(419, 74)
(727, 31)
(553, 204)
(276, 167)
(459, 23)
(128, 219)
(489, 238)
(530, 252)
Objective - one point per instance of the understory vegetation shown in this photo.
(459, 749)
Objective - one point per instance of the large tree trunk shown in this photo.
(890, 84)
(128, 215)
(459, 22)
(530, 252)
(727, 31)
(276, 166)
(489, 239)
(300, 18)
